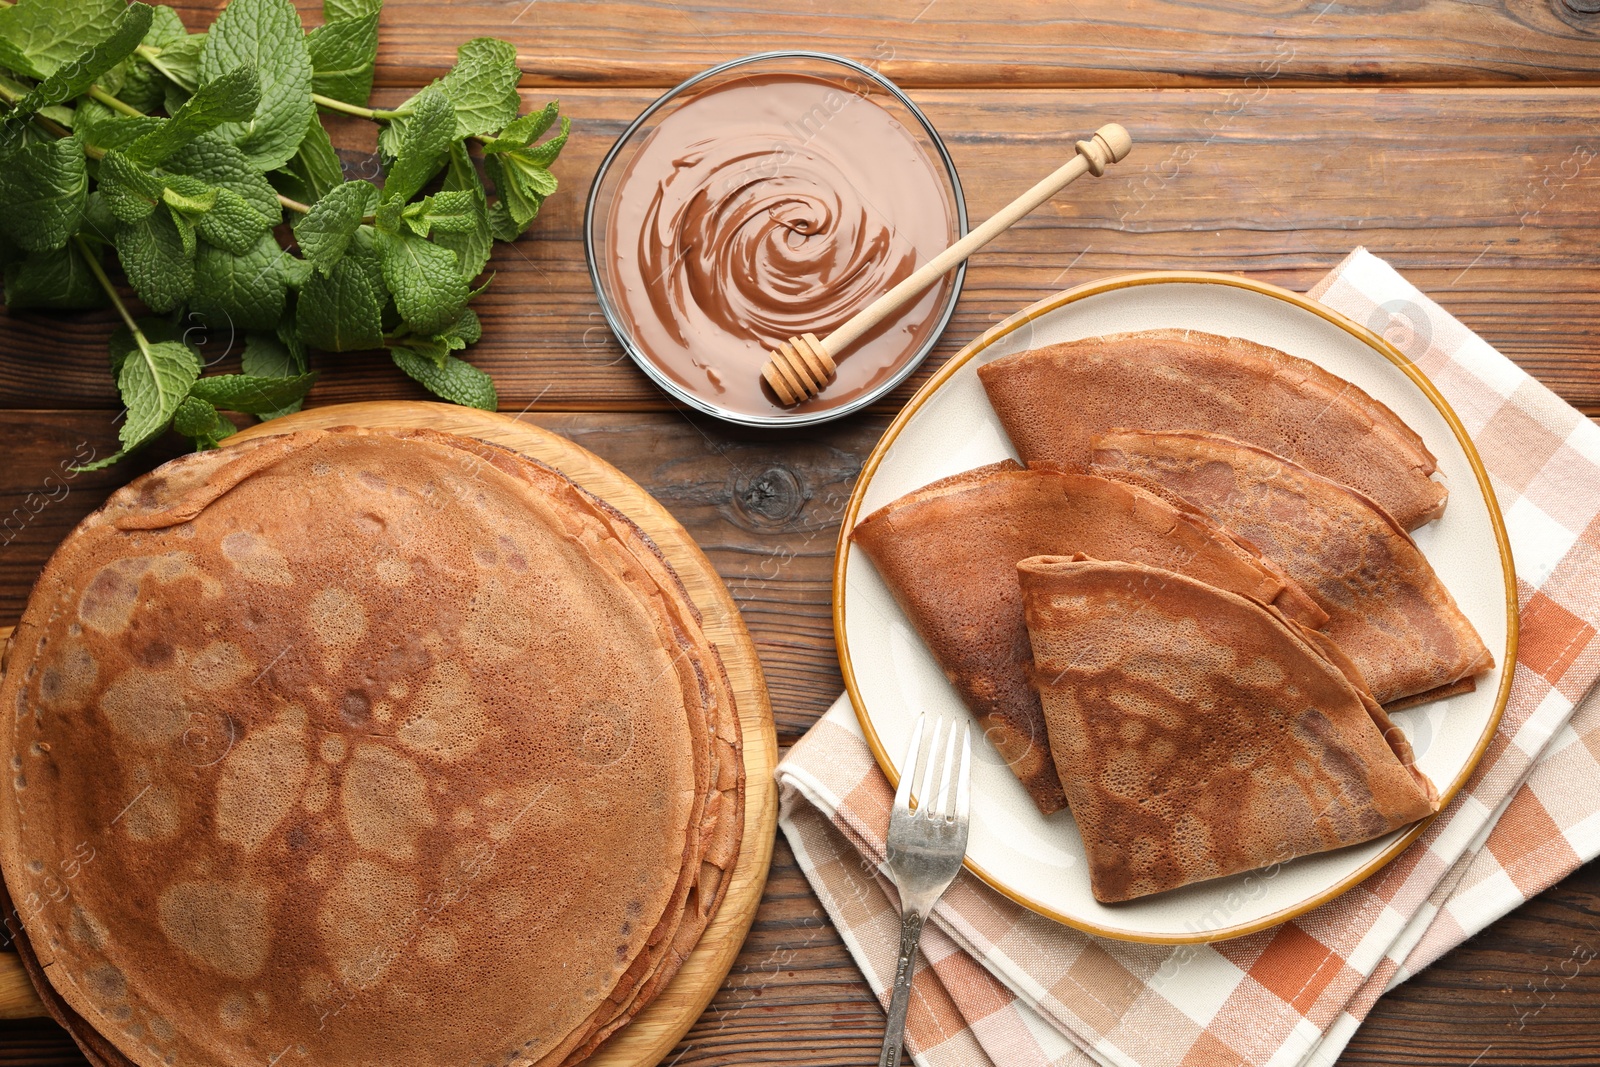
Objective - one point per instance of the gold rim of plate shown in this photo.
(1367, 337)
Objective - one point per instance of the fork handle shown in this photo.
(894, 1035)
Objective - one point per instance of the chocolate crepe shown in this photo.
(949, 553)
(368, 747)
(1053, 400)
(1200, 733)
(1386, 608)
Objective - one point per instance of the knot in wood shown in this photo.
(770, 497)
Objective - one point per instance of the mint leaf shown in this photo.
(153, 258)
(463, 332)
(289, 340)
(13, 58)
(153, 381)
(266, 356)
(73, 77)
(98, 221)
(44, 187)
(232, 224)
(231, 97)
(216, 161)
(343, 52)
(252, 394)
(389, 215)
(428, 136)
(296, 271)
(186, 234)
(188, 195)
(180, 59)
(341, 311)
(431, 349)
(40, 35)
(425, 280)
(314, 170)
(472, 245)
(143, 86)
(456, 381)
(221, 215)
(58, 280)
(340, 10)
(483, 86)
(99, 126)
(543, 155)
(197, 419)
(131, 191)
(265, 35)
(450, 211)
(527, 129)
(247, 292)
(122, 343)
(325, 233)
(521, 184)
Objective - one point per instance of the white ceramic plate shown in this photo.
(949, 427)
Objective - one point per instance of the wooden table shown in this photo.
(1457, 140)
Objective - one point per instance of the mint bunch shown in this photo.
(178, 154)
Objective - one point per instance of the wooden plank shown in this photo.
(1489, 200)
(1140, 43)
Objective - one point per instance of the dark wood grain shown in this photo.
(1486, 199)
(1139, 43)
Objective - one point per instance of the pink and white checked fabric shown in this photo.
(1003, 986)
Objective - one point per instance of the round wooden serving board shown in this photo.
(653, 1032)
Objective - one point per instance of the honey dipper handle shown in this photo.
(1109, 145)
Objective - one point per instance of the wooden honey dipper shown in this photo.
(801, 367)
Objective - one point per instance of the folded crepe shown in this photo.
(381, 747)
(1200, 733)
(1387, 609)
(949, 553)
(1053, 400)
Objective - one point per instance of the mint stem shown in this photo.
(294, 205)
(374, 114)
(105, 283)
(114, 104)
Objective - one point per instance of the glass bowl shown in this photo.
(853, 77)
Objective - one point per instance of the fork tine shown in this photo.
(964, 785)
(908, 769)
(940, 809)
(925, 794)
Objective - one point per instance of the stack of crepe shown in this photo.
(1184, 618)
(362, 747)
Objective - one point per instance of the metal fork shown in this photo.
(926, 847)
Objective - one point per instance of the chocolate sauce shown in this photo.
(771, 206)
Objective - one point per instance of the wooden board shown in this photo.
(648, 1037)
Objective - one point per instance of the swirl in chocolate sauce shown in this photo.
(768, 207)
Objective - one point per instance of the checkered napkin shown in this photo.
(1000, 985)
